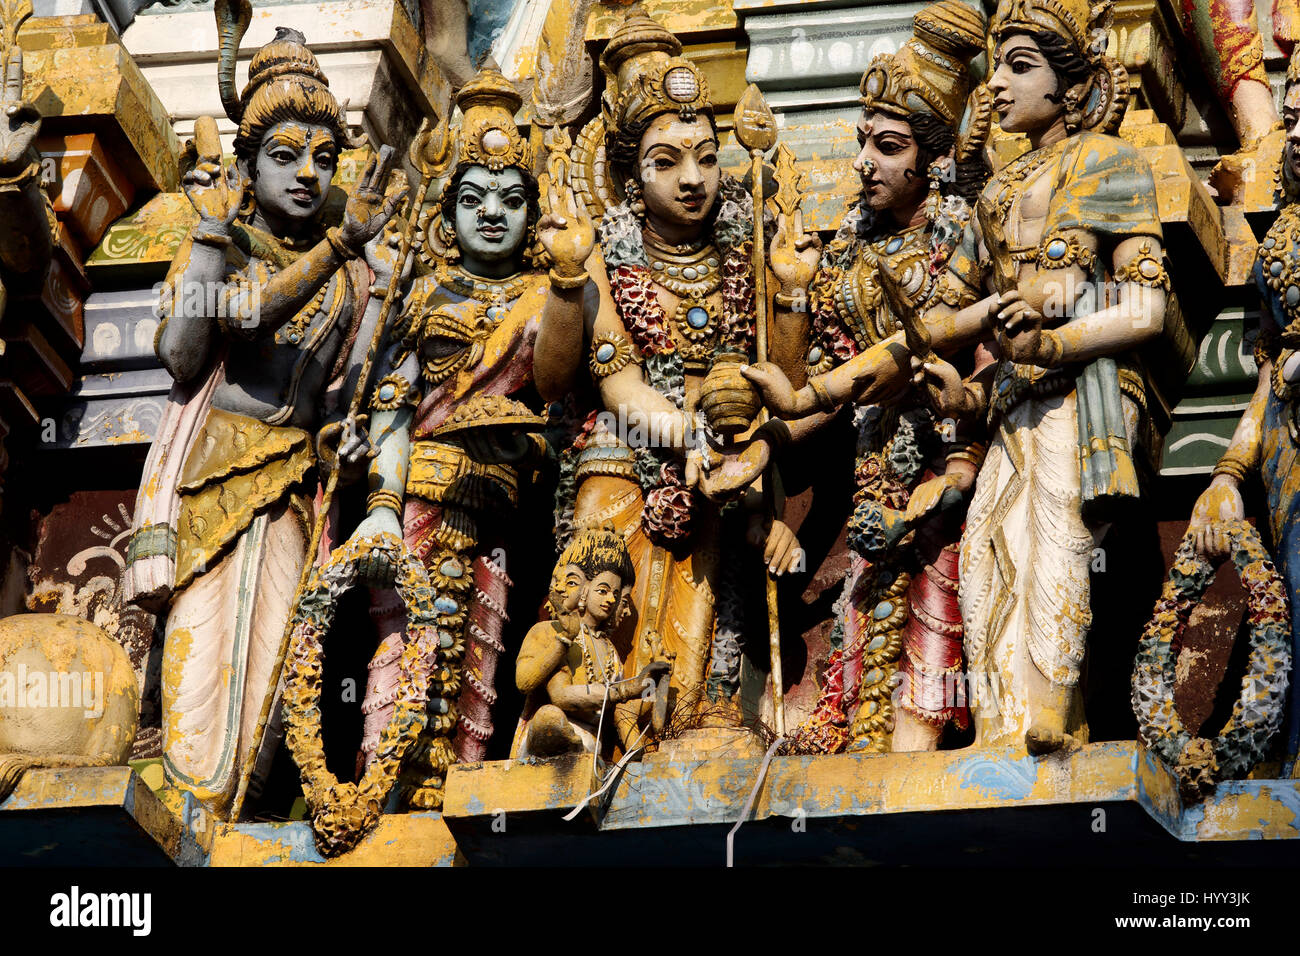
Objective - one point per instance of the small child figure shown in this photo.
(571, 662)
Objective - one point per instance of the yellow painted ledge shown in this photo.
(404, 839)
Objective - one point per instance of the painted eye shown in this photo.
(468, 200)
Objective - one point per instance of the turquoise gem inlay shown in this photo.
(1056, 249)
(697, 317)
(604, 352)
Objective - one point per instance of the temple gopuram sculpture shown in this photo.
(1263, 444)
(1073, 242)
(665, 301)
(454, 441)
(899, 605)
(520, 432)
(570, 667)
(266, 321)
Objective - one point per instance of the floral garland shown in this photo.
(669, 504)
(1257, 714)
(343, 813)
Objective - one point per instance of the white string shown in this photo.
(753, 795)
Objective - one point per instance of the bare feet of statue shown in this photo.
(1045, 735)
(550, 734)
(912, 735)
(1049, 704)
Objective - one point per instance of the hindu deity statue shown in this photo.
(664, 301)
(1090, 347)
(571, 669)
(1225, 34)
(454, 438)
(266, 315)
(26, 217)
(898, 629)
(1265, 441)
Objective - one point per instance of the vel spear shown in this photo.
(755, 128)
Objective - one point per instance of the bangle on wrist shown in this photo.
(789, 300)
(577, 281)
(383, 498)
(821, 396)
(1232, 467)
(335, 238)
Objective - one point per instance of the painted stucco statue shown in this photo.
(1265, 443)
(456, 437)
(890, 683)
(1090, 348)
(68, 696)
(26, 217)
(571, 670)
(665, 299)
(1226, 37)
(265, 321)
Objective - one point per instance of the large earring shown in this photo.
(1073, 115)
(933, 198)
(635, 198)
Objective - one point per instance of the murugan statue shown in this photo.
(570, 668)
(666, 299)
(1089, 346)
(1265, 440)
(266, 318)
(450, 429)
(897, 628)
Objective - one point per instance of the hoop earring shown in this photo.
(635, 198)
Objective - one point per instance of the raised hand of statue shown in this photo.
(565, 229)
(1020, 333)
(368, 208)
(22, 120)
(943, 384)
(794, 254)
(215, 194)
(777, 393)
(1219, 503)
(382, 249)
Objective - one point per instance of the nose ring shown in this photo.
(869, 168)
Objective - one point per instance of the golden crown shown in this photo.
(1083, 23)
(646, 75)
(931, 72)
(488, 135)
